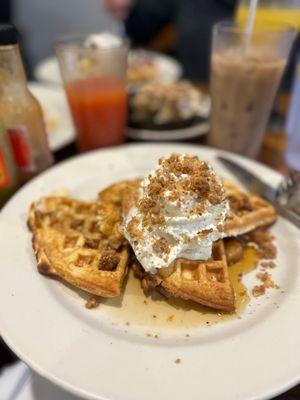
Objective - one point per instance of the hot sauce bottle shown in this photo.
(20, 112)
(9, 177)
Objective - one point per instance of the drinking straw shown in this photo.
(250, 21)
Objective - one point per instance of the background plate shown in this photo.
(169, 69)
(190, 132)
(57, 115)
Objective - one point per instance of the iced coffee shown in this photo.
(244, 81)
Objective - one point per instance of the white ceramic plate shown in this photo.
(94, 354)
(56, 113)
(169, 69)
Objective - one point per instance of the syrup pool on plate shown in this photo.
(138, 310)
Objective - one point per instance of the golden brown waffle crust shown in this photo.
(53, 259)
(104, 284)
(220, 302)
(262, 213)
(205, 282)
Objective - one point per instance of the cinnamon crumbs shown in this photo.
(268, 282)
(161, 246)
(195, 180)
(258, 290)
(109, 261)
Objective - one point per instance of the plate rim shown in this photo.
(197, 130)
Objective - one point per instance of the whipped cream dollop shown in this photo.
(179, 212)
(103, 40)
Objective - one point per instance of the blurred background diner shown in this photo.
(181, 30)
(85, 97)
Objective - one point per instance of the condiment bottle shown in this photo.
(9, 178)
(20, 111)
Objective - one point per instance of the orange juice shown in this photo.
(270, 16)
(99, 107)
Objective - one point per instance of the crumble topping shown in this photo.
(161, 246)
(108, 261)
(268, 264)
(258, 290)
(268, 282)
(267, 251)
(92, 302)
(194, 179)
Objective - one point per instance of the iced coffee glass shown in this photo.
(245, 75)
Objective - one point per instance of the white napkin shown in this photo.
(18, 382)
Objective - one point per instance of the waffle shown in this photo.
(68, 244)
(247, 211)
(109, 214)
(205, 282)
(117, 199)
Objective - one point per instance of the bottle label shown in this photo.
(22, 152)
(4, 175)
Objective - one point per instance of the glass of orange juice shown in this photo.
(270, 12)
(93, 68)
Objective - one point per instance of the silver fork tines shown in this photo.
(288, 193)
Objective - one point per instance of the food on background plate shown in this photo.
(141, 69)
(161, 106)
(180, 229)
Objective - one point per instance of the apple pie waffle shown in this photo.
(247, 211)
(205, 282)
(68, 244)
(118, 197)
(109, 213)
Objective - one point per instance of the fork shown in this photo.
(288, 192)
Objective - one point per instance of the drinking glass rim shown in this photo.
(75, 40)
(230, 26)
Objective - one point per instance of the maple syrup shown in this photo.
(138, 310)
